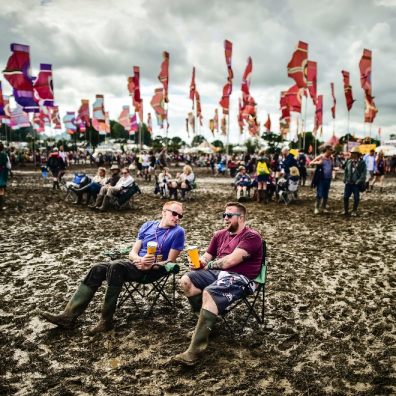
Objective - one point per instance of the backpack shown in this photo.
(262, 168)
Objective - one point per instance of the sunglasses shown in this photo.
(229, 215)
(174, 214)
(124, 173)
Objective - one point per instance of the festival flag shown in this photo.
(240, 116)
(55, 119)
(124, 118)
(347, 90)
(245, 86)
(134, 124)
(69, 121)
(83, 114)
(149, 123)
(2, 113)
(211, 126)
(224, 126)
(225, 99)
(365, 72)
(164, 74)
(43, 90)
(268, 124)
(370, 111)
(192, 87)
(158, 104)
(107, 122)
(318, 114)
(188, 132)
(19, 119)
(312, 79)
(253, 126)
(38, 123)
(293, 96)
(98, 109)
(191, 121)
(333, 108)
(198, 110)
(296, 68)
(284, 106)
(228, 58)
(216, 121)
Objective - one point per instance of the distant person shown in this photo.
(56, 165)
(5, 168)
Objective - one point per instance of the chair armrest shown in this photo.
(172, 268)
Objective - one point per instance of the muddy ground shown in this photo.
(329, 327)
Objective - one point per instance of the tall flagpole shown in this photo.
(305, 121)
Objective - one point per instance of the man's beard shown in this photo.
(232, 228)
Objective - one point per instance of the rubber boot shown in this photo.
(54, 185)
(108, 308)
(265, 196)
(196, 303)
(259, 196)
(324, 206)
(346, 207)
(74, 308)
(98, 202)
(2, 206)
(183, 194)
(238, 194)
(79, 199)
(200, 339)
(317, 206)
(57, 185)
(105, 203)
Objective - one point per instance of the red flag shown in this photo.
(157, 103)
(284, 106)
(347, 90)
(164, 74)
(224, 126)
(124, 118)
(192, 87)
(312, 79)
(296, 68)
(268, 124)
(149, 123)
(318, 114)
(83, 112)
(228, 58)
(293, 96)
(17, 71)
(365, 71)
(199, 110)
(55, 119)
(245, 86)
(240, 116)
(225, 100)
(333, 109)
(370, 111)
(43, 91)
(134, 124)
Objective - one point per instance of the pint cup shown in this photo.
(192, 252)
(152, 247)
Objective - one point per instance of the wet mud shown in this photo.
(330, 300)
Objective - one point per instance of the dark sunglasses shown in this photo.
(124, 173)
(229, 215)
(174, 214)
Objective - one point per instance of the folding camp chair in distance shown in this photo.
(253, 303)
(149, 291)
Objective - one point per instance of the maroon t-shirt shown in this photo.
(224, 243)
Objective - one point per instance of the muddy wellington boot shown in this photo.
(317, 206)
(105, 203)
(196, 303)
(259, 196)
(74, 308)
(200, 339)
(324, 206)
(2, 206)
(98, 202)
(345, 212)
(108, 308)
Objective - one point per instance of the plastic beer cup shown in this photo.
(152, 247)
(193, 254)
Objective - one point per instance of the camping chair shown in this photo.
(124, 200)
(149, 291)
(253, 303)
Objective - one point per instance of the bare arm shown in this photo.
(142, 263)
(229, 261)
(317, 161)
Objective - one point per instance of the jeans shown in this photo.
(348, 191)
(322, 190)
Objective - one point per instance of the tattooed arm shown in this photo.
(229, 261)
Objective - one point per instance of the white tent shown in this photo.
(388, 150)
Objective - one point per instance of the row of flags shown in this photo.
(36, 95)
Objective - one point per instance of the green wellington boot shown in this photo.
(74, 308)
(108, 308)
(200, 339)
(196, 303)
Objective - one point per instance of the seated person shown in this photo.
(170, 239)
(242, 182)
(231, 261)
(185, 181)
(92, 189)
(164, 179)
(108, 191)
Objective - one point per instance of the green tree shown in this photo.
(175, 144)
(146, 135)
(218, 143)
(274, 141)
(197, 140)
(117, 131)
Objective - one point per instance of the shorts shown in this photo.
(224, 287)
(262, 178)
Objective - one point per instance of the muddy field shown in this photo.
(329, 327)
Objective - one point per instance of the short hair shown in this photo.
(327, 147)
(125, 169)
(242, 208)
(101, 169)
(170, 203)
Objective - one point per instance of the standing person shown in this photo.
(380, 171)
(232, 260)
(354, 179)
(5, 167)
(371, 166)
(322, 178)
(288, 161)
(262, 174)
(302, 162)
(57, 167)
(140, 265)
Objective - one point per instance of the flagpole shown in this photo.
(228, 133)
(305, 121)
(349, 133)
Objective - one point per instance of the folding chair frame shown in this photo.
(251, 300)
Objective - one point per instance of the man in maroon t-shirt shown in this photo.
(232, 260)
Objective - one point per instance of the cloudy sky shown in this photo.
(93, 45)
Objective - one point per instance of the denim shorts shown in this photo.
(224, 287)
